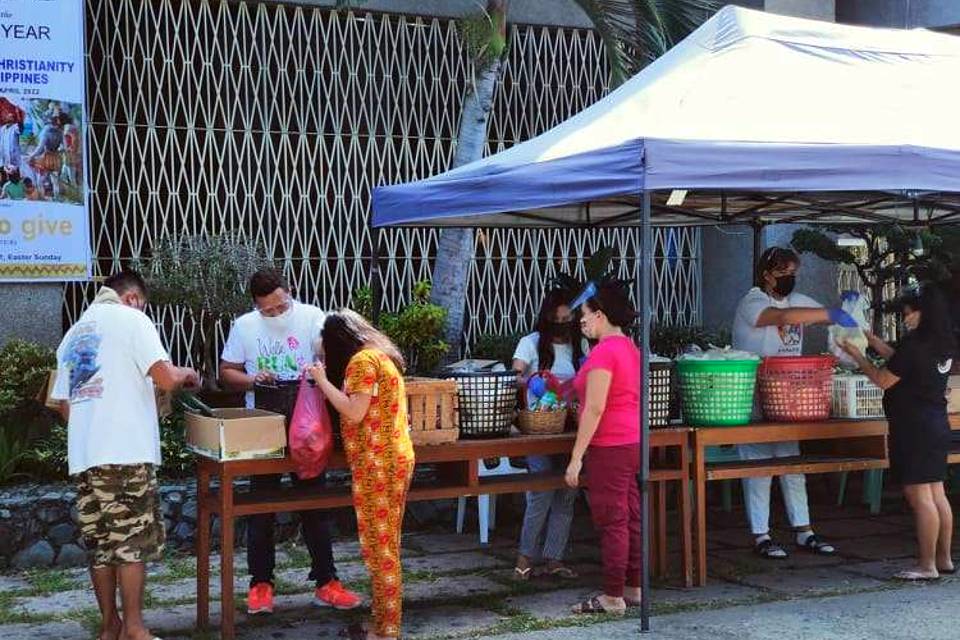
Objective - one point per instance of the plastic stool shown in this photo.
(486, 504)
(872, 489)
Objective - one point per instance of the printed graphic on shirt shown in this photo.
(81, 360)
(791, 336)
(279, 358)
(945, 367)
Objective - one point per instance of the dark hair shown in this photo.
(936, 326)
(27, 182)
(546, 327)
(774, 259)
(266, 281)
(612, 298)
(346, 332)
(126, 280)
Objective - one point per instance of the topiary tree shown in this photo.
(892, 254)
(208, 275)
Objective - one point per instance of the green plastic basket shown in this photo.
(717, 393)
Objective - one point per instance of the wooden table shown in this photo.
(457, 466)
(837, 445)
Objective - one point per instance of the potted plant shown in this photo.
(208, 275)
(417, 329)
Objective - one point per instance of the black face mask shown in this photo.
(563, 330)
(785, 285)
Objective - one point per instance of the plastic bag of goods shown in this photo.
(857, 306)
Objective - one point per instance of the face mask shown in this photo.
(785, 285)
(562, 329)
(280, 322)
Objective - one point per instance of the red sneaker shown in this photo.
(260, 599)
(333, 594)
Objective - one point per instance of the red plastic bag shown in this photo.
(311, 432)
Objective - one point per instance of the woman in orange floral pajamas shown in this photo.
(362, 379)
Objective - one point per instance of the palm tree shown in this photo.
(634, 33)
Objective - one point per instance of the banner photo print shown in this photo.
(44, 221)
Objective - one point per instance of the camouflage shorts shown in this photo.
(119, 513)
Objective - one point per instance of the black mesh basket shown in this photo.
(279, 397)
(659, 393)
(488, 403)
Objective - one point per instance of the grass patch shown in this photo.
(179, 568)
(297, 557)
(90, 620)
(47, 581)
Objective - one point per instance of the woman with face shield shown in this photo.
(554, 347)
(914, 383)
(770, 321)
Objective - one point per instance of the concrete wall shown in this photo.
(815, 9)
(899, 13)
(31, 312)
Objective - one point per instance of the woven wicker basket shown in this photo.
(432, 407)
(541, 423)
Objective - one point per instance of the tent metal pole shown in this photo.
(757, 243)
(374, 274)
(646, 301)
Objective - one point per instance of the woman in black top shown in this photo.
(914, 399)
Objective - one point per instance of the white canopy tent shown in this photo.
(841, 123)
(759, 118)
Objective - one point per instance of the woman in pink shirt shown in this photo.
(608, 445)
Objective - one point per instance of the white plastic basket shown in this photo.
(854, 396)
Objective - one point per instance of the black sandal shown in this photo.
(770, 550)
(816, 545)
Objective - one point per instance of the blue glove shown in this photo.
(842, 318)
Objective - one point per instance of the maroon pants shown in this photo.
(615, 506)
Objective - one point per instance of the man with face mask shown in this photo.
(108, 366)
(272, 345)
(769, 321)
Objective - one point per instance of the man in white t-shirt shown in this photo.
(769, 321)
(272, 345)
(108, 365)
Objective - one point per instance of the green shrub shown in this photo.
(669, 341)
(24, 367)
(209, 276)
(501, 348)
(47, 458)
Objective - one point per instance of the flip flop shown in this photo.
(593, 606)
(562, 572)
(915, 576)
(521, 575)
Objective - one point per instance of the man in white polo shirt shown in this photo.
(107, 366)
(271, 346)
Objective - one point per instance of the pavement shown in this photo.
(454, 588)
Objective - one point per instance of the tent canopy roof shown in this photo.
(757, 116)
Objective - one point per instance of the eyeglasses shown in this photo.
(277, 309)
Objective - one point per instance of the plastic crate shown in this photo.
(855, 396)
(717, 392)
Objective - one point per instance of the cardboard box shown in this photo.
(237, 434)
(43, 395)
(953, 399)
(164, 399)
